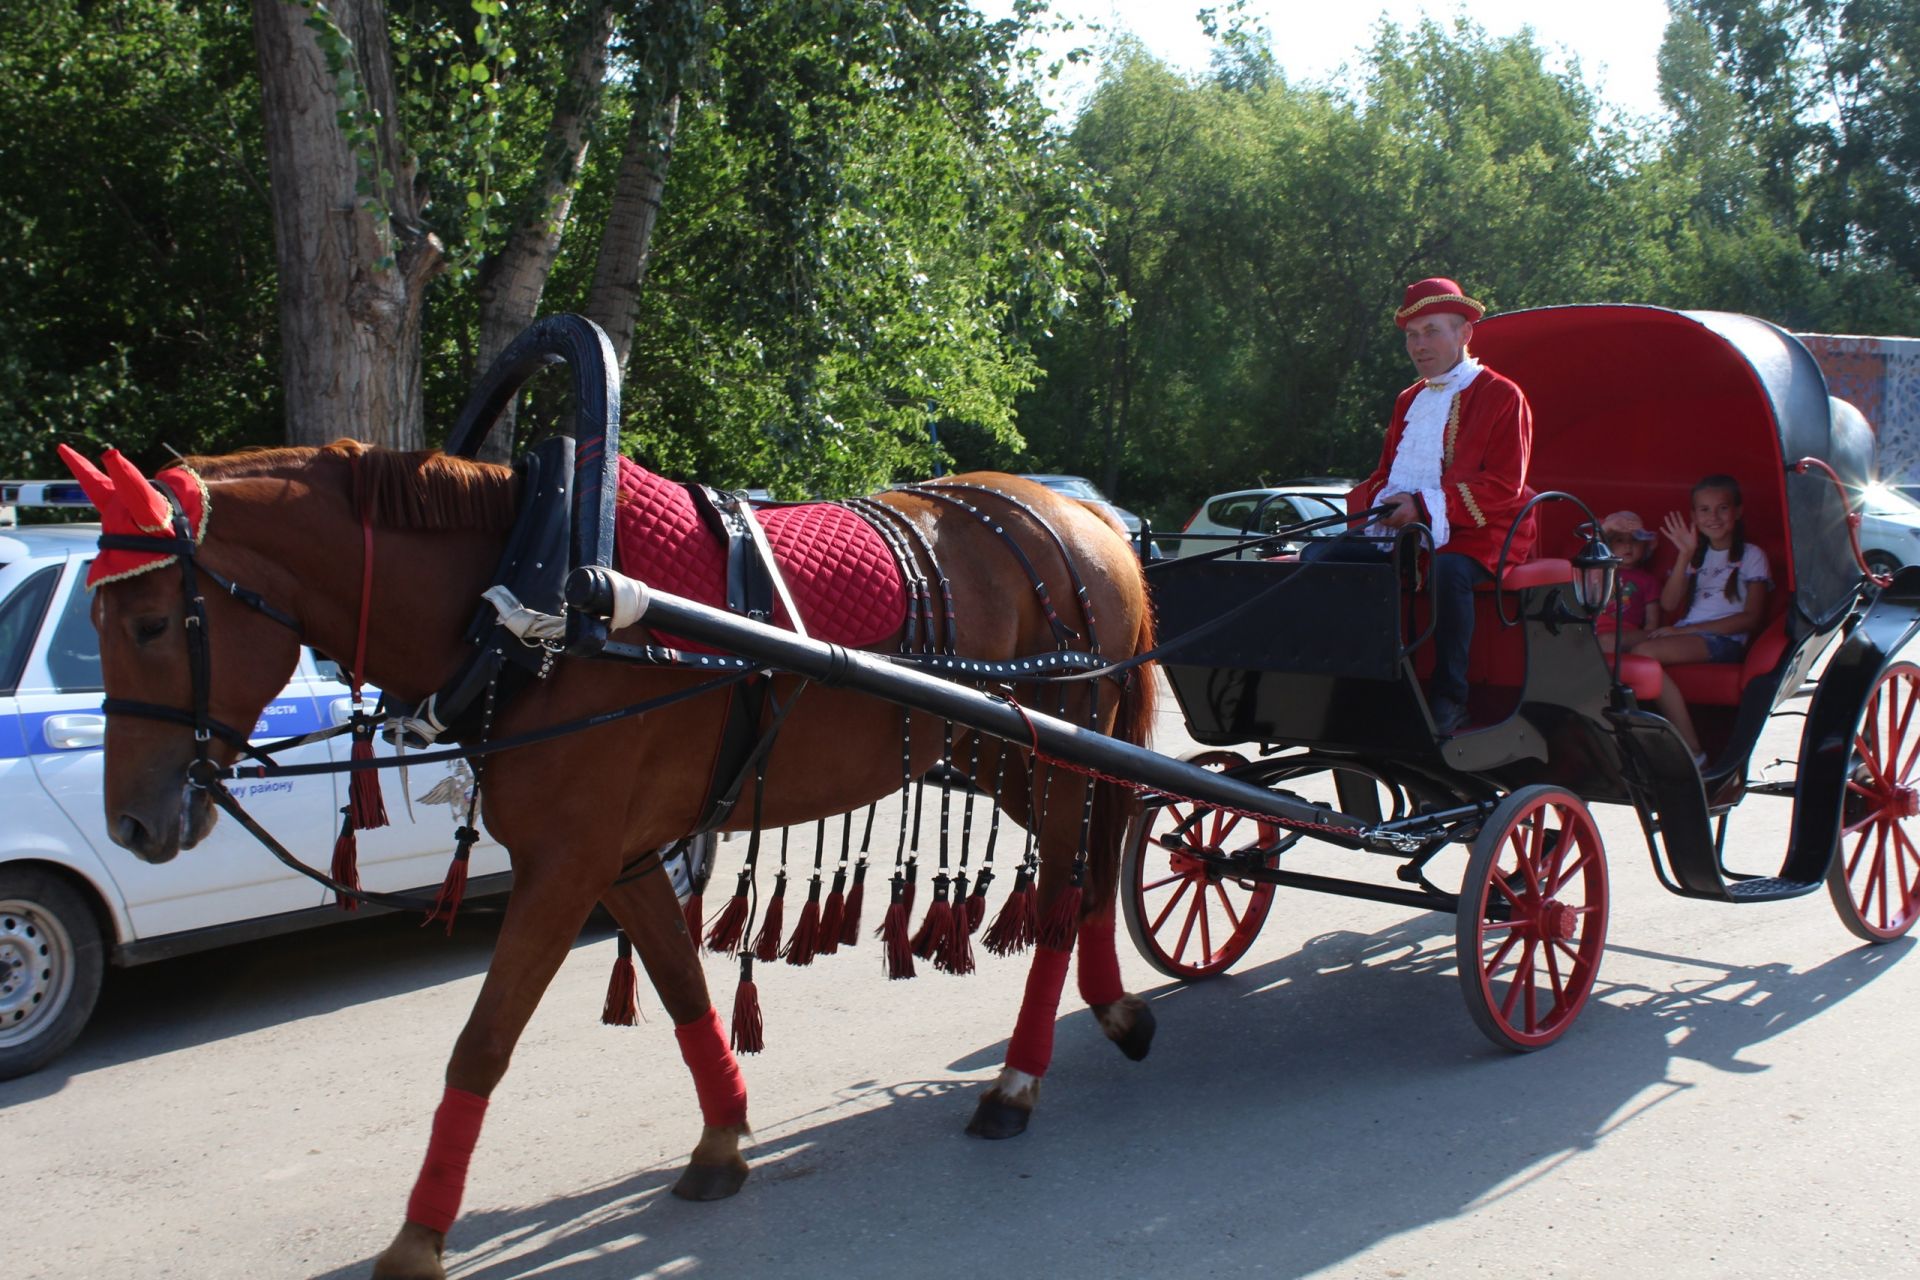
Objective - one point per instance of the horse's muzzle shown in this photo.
(162, 841)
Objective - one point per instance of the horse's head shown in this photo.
(176, 647)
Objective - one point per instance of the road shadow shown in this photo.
(1290, 1117)
(212, 995)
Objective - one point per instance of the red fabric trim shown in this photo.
(717, 1081)
(1099, 966)
(435, 1201)
(843, 577)
(1031, 1048)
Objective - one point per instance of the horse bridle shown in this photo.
(203, 774)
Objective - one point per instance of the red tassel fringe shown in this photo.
(749, 1030)
(913, 885)
(833, 916)
(805, 943)
(731, 923)
(622, 1008)
(766, 947)
(955, 955)
(856, 899)
(363, 789)
(1063, 920)
(977, 900)
(346, 862)
(1018, 924)
(938, 925)
(895, 952)
(453, 888)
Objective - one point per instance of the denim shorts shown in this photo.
(1723, 648)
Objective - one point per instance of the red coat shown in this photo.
(1483, 466)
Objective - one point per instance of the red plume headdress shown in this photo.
(130, 505)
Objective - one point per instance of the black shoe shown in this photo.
(1449, 717)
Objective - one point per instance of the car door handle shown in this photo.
(341, 709)
(71, 732)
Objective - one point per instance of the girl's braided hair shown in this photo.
(1734, 553)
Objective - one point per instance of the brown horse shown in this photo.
(573, 812)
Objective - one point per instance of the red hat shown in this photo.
(130, 505)
(1436, 294)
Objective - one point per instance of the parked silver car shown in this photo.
(1248, 513)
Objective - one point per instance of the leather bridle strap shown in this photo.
(366, 586)
(203, 772)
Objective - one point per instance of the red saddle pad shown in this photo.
(843, 577)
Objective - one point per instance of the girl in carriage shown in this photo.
(1636, 590)
(1718, 587)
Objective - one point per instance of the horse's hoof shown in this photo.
(1139, 1037)
(711, 1181)
(995, 1117)
(414, 1255)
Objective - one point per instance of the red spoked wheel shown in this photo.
(1532, 921)
(1187, 918)
(1874, 879)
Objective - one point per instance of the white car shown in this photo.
(72, 902)
(1889, 528)
(1249, 513)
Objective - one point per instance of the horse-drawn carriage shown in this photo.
(1631, 405)
(1011, 603)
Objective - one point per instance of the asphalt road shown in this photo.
(1735, 1103)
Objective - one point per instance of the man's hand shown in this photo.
(1405, 510)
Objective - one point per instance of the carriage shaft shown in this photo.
(604, 593)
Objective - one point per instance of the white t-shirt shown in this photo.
(1710, 585)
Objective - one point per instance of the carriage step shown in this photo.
(1768, 888)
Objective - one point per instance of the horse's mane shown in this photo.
(421, 489)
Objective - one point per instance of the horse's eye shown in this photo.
(147, 630)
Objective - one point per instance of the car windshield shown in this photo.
(1882, 501)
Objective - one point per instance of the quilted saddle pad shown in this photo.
(843, 577)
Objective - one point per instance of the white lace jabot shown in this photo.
(1417, 462)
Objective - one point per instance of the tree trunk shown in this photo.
(627, 240)
(512, 284)
(352, 276)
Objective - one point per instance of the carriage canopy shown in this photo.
(1633, 404)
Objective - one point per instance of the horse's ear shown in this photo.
(148, 509)
(93, 481)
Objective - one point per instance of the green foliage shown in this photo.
(136, 257)
(1263, 231)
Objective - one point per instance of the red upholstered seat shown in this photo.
(1537, 573)
(1642, 675)
(1721, 683)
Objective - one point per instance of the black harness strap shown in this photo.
(1063, 635)
(1059, 546)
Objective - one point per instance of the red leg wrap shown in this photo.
(1099, 967)
(1031, 1049)
(435, 1201)
(716, 1073)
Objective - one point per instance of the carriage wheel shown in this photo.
(1874, 878)
(1533, 917)
(1187, 919)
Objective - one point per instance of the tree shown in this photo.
(844, 126)
(136, 263)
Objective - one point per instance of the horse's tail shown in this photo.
(1113, 804)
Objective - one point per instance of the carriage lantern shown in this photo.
(1595, 568)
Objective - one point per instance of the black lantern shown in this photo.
(1594, 571)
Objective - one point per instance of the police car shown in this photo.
(73, 903)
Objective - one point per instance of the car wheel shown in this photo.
(1882, 564)
(51, 963)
